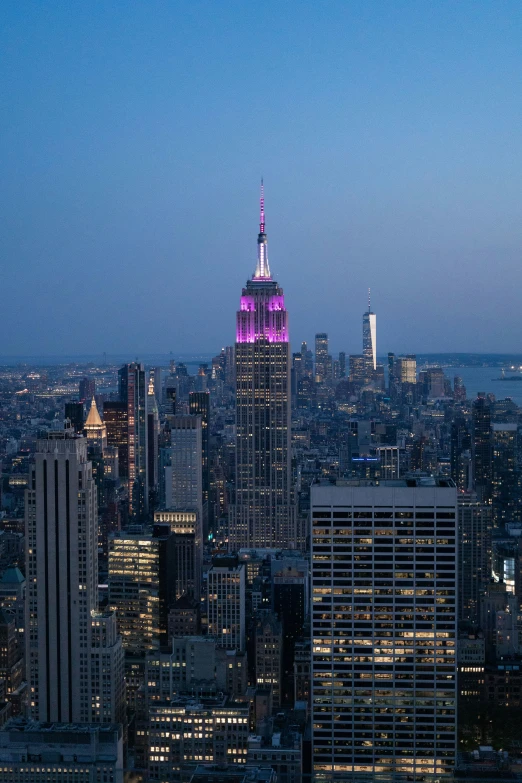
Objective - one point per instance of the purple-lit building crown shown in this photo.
(262, 314)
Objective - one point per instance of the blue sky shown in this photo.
(134, 136)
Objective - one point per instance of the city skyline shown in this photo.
(138, 171)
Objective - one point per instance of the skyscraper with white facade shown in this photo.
(370, 340)
(384, 628)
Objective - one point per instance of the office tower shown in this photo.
(342, 364)
(107, 670)
(459, 390)
(505, 493)
(133, 392)
(61, 752)
(226, 606)
(384, 628)
(435, 383)
(199, 405)
(358, 369)
(481, 446)
(370, 340)
(184, 474)
(475, 525)
(12, 598)
(87, 389)
(153, 427)
(115, 419)
(321, 356)
(405, 368)
(263, 515)
(95, 430)
(460, 444)
(141, 587)
(188, 550)
(269, 655)
(74, 412)
(290, 603)
(62, 578)
(389, 467)
(171, 393)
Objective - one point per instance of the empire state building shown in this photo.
(263, 514)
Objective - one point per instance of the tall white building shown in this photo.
(62, 578)
(370, 340)
(226, 606)
(384, 578)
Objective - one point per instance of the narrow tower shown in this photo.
(263, 515)
(369, 340)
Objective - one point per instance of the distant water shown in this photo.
(480, 379)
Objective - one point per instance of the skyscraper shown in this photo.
(321, 356)
(263, 515)
(384, 628)
(133, 392)
(62, 578)
(481, 447)
(370, 340)
(199, 405)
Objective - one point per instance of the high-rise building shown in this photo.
(384, 628)
(74, 412)
(405, 368)
(87, 389)
(358, 369)
(226, 606)
(188, 550)
(199, 405)
(475, 524)
(141, 586)
(370, 340)
(505, 473)
(321, 356)
(133, 392)
(153, 428)
(269, 655)
(115, 419)
(184, 474)
(481, 446)
(62, 578)
(263, 515)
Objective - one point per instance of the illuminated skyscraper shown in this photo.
(321, 356)
(133, 392)
(384, 627)
(262, 515)
(370, 340)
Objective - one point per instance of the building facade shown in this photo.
(263, 515)
(384, 628)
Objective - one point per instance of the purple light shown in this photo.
(262, 317)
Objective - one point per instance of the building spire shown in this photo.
(369, 302)
(262, 209)
(262, 268)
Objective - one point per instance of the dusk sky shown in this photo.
(134, 136)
